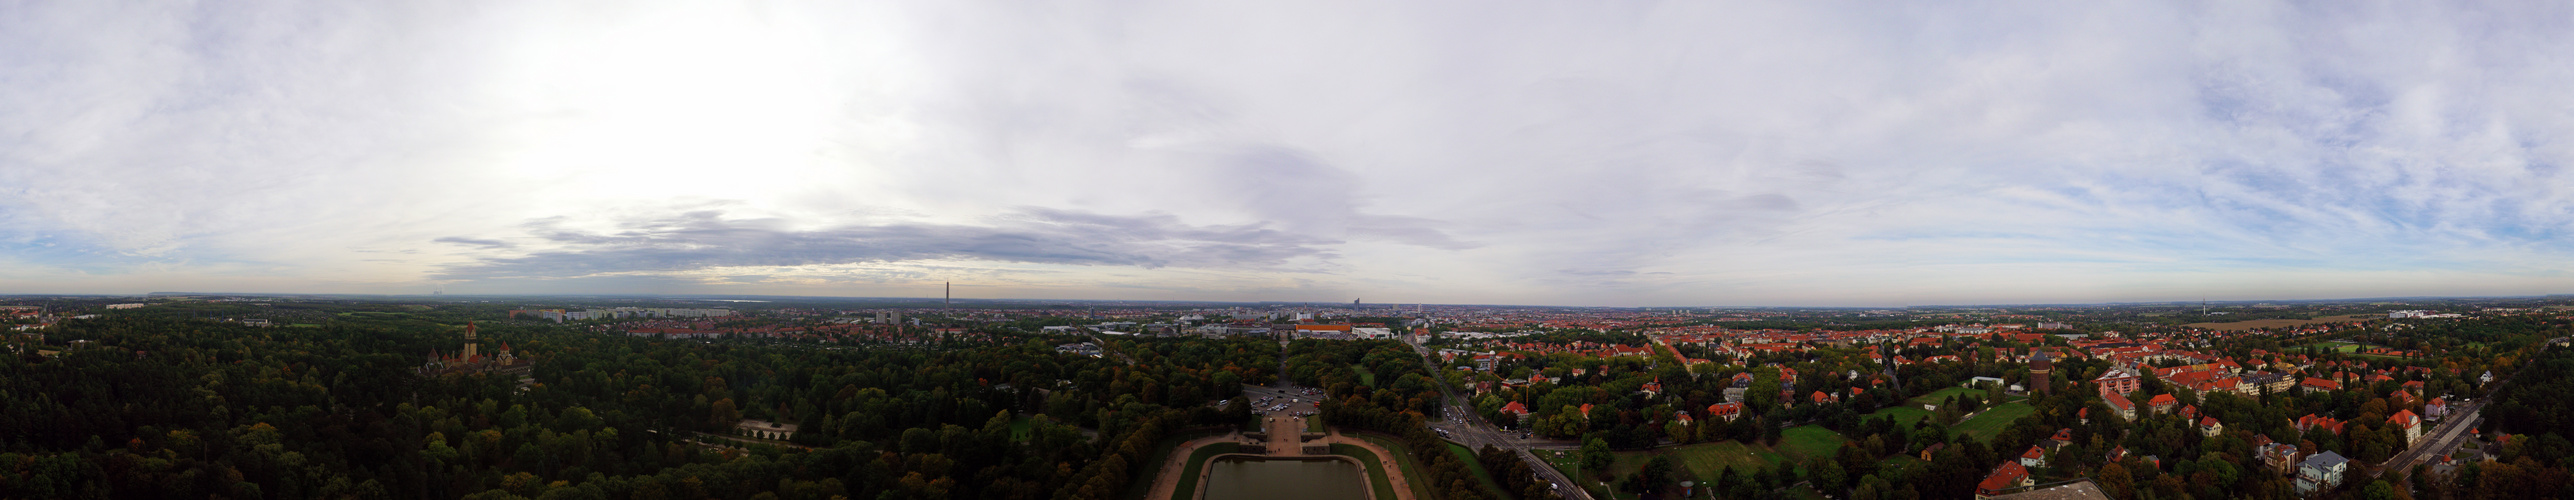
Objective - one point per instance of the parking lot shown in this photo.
(1289, 401)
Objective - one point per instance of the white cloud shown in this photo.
(1635, 153)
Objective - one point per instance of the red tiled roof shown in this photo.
(2116, 401)
(2005, 477)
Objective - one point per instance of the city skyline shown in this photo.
(1582, 155)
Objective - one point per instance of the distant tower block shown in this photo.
(2040, 370)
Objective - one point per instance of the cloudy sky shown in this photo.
(1577, 153)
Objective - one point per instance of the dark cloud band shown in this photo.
(706, 239)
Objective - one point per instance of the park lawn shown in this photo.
(1991, 422)
(1940, 395)
(1188, 486)
(1475, 465)
(2353, 349)
(1365, 377)
(1904, 415)
(1314, 424)
(1137, 490)
(1705, 460)
(1021, 429)
(1375, 472)
(1412, 467)
(1563, 462)
(1805, 442)
(1710, 460)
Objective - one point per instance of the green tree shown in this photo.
(1828, 475)
(1596, 456)
(2378, 490)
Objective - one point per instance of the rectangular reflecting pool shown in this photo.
(1237, 478)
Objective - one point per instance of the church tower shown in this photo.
(469, 341)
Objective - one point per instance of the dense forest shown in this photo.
(143, 406)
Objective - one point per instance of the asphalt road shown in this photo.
(1465, 428)
(2440, 440)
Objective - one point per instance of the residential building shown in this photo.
(2163, 403)
(2320, 472)
(1517, 410)
(2010, 475)
(2277, 383)
(2281, 458)
(1725, 411)
(2126, 409)
(2412, 425)
(2312, 421)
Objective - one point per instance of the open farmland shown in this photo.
(2279, 323)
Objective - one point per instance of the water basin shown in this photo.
(1241, 478)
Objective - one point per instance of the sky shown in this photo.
(1614, 153)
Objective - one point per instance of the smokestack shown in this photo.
(950, 301)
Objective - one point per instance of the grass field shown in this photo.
(1375, 473)
(1991, 422)
(1188, 487)
(1805, 442)
(1904, 415)
(1710, 459)
(1943, 394)
(1564, 462)
(2352, 349)
(2278, 323)
(1020, 429)
(1365, 377)
(1137, 490)
(1474, 465)
(1411, 464)
(1630, 462)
